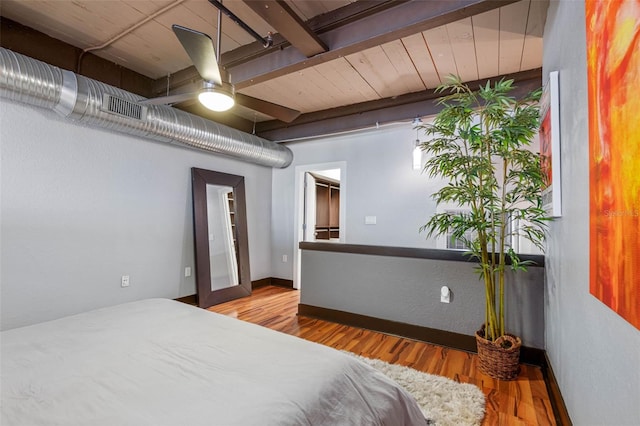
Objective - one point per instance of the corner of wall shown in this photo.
(591, 349)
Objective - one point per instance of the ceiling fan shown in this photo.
(216, 94)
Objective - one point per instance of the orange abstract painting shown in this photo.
(549, 135)
(613, 73)
(545, 149)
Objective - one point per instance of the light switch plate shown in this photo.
(370, 220)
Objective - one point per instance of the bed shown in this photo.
(162, 362)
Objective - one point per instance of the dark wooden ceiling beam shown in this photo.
(289, 25)
(350, 13)
(402, 20)
(383, 111)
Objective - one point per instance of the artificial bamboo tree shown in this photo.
(479, 143)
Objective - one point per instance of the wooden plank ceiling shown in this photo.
(504, 39)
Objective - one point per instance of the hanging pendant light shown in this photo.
(417, 150)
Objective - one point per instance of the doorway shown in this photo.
(320, 202)
(322, 206)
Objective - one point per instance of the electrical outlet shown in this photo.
(124, 282)
(187, 271)
(445, 294)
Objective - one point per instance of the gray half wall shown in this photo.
(407, 290)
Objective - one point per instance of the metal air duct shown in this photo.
(79, 98)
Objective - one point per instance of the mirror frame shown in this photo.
(205, 296)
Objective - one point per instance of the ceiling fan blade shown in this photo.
(172, 99)
(199, 47)
(279, 112)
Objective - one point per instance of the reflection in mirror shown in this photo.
(223, 261)
(220, 236)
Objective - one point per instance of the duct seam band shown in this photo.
(68, 94)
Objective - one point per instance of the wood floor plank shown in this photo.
(524, 401)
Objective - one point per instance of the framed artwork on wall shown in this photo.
(613, 79)
(550, 145)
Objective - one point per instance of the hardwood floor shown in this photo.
(523, 401)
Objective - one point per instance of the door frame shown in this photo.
(298, 216)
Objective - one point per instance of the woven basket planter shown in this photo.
(497, 361)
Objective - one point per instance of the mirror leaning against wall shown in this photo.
(220, 236)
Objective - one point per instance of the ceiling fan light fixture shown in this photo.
(216, 100)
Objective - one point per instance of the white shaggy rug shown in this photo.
(443, 401)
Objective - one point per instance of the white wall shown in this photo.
(379, 181)
(594, 353)
(81, 207)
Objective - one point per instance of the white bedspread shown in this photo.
(160, 362)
